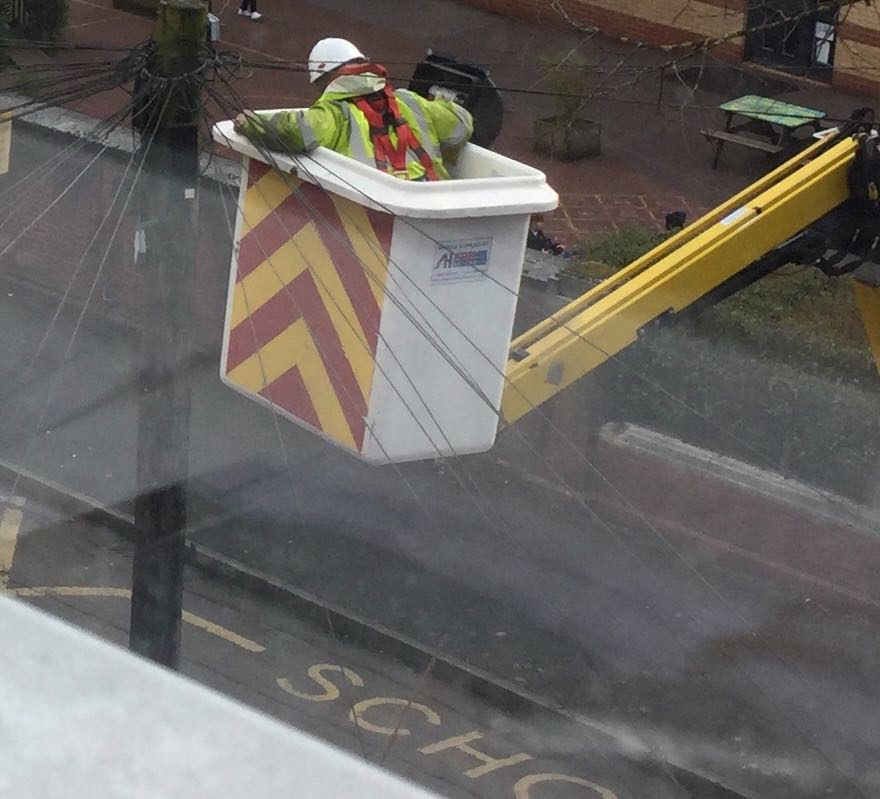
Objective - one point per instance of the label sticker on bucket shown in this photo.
(465, 259)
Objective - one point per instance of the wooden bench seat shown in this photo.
(745, 141)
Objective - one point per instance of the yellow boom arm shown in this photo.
(686, 267)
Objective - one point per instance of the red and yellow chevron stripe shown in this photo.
(305, 311)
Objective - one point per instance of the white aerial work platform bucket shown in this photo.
(375, 311)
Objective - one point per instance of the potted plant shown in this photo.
(41, 20)
(567, 135)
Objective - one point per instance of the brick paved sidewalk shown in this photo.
(584, 216)
(653, 161)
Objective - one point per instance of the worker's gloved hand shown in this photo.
(442, 93)
(244, 119)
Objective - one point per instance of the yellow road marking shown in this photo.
(523, 788)
(10, 525)
(222, 632)
(331, 692)
(356, 714)
(5, 142)
(125, 593)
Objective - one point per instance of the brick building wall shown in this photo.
(857, 55)
(656, 22)
(662, 22)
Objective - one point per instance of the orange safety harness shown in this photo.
(383, 115)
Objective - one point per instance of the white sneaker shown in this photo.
(256, 15)
(243, 13)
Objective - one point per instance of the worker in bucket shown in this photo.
(360, 115)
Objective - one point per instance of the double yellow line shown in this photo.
(11, 515)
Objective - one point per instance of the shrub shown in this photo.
(797, 315)
(567, 79)
(801, 318)
(45, 20)
(620, 249)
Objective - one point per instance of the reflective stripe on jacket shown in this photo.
(440, 125)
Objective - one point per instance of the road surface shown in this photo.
(717, 665)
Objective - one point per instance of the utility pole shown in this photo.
(169, 144)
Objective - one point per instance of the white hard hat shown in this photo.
(328, 54)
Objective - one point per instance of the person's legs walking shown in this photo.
(248, 8)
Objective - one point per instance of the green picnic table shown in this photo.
(762, 123)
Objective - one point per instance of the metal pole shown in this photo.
(169, 132)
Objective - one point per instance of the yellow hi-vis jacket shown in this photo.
(441, 126)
